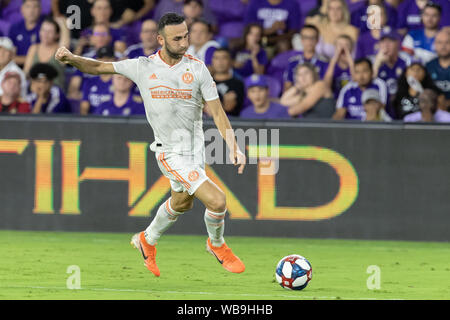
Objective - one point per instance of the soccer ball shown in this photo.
(293, 272)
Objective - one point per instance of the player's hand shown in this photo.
(63, 55)
(238, 159)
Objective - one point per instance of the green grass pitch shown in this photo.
(33, 265)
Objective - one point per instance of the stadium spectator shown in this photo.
(335, 23)
(100, 39)
(429, 112)
(149, 41)
(389, 63)
(25, 33)
(101, 12)
(341, 66)
(279, 19)
(309, 38)
(414, 80)
(261, 107)
(176, 6)
(309, 97)
(410, 11)
(251, 57)
(10, 100)
(53, 34)
(126, 12)
(201, 44)
(367, 44)
(193, 10)
(230, 20)
(44, 96)
(60, 8)
(419, 43)
(374, 107)
(231, 89)
(349, 104)
(7, 64)
(98, 89)
(439, 68)
(359, 17)
(124, 102)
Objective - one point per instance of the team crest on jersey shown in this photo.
(193, 175)
(187, 77)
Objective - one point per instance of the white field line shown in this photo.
(193, 292)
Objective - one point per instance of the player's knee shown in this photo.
(218, 203)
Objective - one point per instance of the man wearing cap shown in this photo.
(261, 107)
(97, 89)
(373, 106)
(10, 100)
(7, 64)
(389, 63)
(429, 111)
(44, 96)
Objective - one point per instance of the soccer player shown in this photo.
(173, 86)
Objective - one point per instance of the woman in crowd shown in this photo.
(251, 58)
(310, 97)
(411, 83)
(334, 23)
(53, 34)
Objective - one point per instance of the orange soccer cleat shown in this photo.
(226, 257)
(148, 252)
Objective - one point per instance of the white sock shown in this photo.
(164, 219)
(215, 226)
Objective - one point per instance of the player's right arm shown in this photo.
(85, 65)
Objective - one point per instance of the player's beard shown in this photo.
(173, 54)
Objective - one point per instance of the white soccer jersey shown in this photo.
(173, 98)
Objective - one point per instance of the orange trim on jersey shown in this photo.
(170, 66)
(170, 88)
(192, 58)
(174, 172)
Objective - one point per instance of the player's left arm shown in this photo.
(226, 131)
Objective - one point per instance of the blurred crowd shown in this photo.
(365, 60)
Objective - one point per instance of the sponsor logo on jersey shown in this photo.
(164, 92)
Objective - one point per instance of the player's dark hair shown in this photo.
(364, 60)
(169, 19)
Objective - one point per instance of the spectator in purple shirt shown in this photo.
(176, 6)
(98, 89)
(26, 32)
(101, 13)
(193, 10)
(149, 41)
(251, 57)
(45, 97)
(280, 19)
(124, 102)
(349, 104)
(359, 17)
(261, 107)
(410, 11)
(429, 112)
(309, 37)
(341, 66)
(389, 63)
